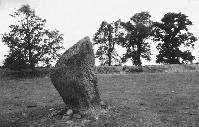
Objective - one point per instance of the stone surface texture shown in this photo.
(74, 78)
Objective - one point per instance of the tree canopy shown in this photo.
(138, 31)
(106, 38)
(30, 42)
(172, 34)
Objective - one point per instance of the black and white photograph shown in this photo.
(99, 63)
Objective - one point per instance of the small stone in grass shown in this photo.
(102, 104)
(51, 109)
(54, 113)
(31, 105)
(69, 112)
(65, 118)
(24, 114)
(77, 116)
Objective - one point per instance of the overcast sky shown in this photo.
(79, 18)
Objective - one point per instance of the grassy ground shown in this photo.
(137, 100)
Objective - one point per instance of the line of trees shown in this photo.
(174, 41)
(31, 44)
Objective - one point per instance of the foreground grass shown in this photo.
(136, 100)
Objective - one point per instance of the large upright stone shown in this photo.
(74, 77)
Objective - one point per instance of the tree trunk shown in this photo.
(109, 52)
(139, 48)
(30, 54)
(31, 62)
(109, 58)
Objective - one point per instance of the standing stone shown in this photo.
(74, 77)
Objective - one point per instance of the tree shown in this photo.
(138, 30)
(15, 61)
(29, 38)
(172, 34)
(106, 38)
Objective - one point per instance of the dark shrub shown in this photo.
(132, 69)
(25, 73)
(155, 68)
(107, 69)
(15, 61)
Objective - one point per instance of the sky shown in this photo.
(79, 18)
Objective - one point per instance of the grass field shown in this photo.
(137, 100)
